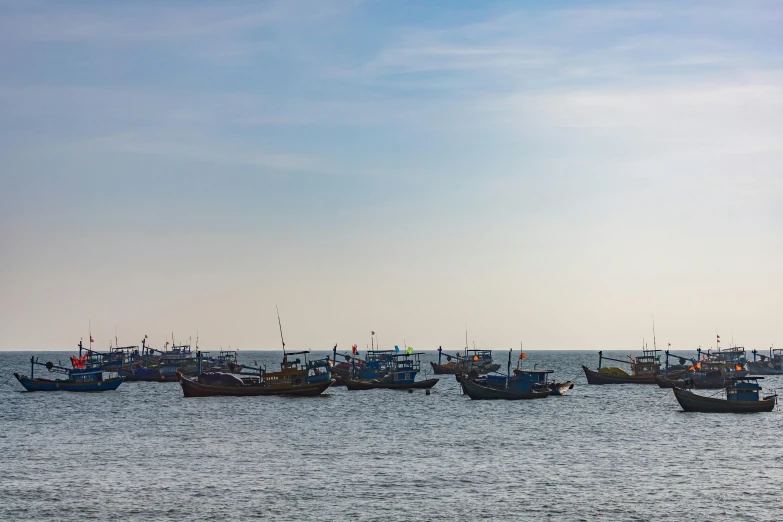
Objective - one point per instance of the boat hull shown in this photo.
(762, 369)
(478, 392)
(453, 369)
(698, 384)
(192, 388)
(51, 385)
(692, 402)
(359, 385)
(594, 377)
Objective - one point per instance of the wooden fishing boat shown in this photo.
(477, 391)
(644, 368)
(519, 385)
(763, 369)
(613, 377)
(376, 365)
(742, 396)
(296, 378)
(380, 384)
(401, 375)
(478, 361)
(768, 365)
(81, 378)
(693, 382)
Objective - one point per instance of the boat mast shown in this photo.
(508, 368)
(655, 346)
(280, 324)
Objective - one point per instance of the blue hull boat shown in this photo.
(64, 385)
(83, 377)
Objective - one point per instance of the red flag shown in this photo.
(91, 339)
(145, 336)
(354, 349)
(372, 333)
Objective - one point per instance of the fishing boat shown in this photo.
(298, 376)
(743, 395)
(478, 361)
(712, 380)
(179, 360)
(644, 368)
(143, 365)
(521, 385)
(767, 365)
(226, 361)
(376, 365)
(703, 375)
(401, 375)
(82, 377)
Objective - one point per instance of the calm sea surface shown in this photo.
(144, 452)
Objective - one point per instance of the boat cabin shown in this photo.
(521, 380)
(404, 367)
(649, 363)
(732, 356)
(744, 389)
(376, 364)
(81, 371)
(87, 375)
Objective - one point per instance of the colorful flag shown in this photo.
(355, 350)
(396, 348)
(522, 356)
(91, 339)
(373, 333)
(145, 336)
(410, 350)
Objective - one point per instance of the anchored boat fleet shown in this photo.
(480, 378)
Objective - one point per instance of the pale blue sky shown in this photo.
(553, 172)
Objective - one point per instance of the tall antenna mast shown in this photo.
(281, 328)
(655, 346)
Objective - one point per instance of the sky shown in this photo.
(550, 173)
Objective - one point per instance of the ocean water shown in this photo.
(144, 452)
